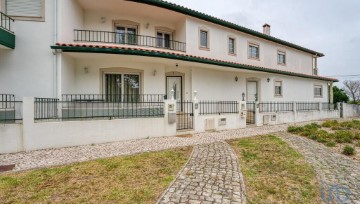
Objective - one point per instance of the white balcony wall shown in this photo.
(71, 16)
(297, 61)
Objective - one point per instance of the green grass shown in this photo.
(274, 172)
(130, 179)
(330, 132)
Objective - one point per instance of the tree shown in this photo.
(352, 88)
(339, 95)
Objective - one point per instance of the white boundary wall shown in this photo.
(351, 110)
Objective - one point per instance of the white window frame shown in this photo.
(322, 91)
(251, 44)
(40, 18)
(234, 44)
(281, 52)
(163, 38)
(122, 80)
(207, 47)
(282, 88)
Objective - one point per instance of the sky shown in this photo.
(331, 27)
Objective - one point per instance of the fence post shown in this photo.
(243, 113)
(196, 110)
(28, 120)
(258, 121)
(321, 111)
(341, 109)
(170, 117)
(295, 111)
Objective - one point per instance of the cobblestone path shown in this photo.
(212, 175)
(338, 174)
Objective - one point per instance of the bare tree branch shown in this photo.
(352, 88)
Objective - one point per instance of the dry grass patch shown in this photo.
(129, 179)
(274, 172)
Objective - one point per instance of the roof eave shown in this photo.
(146, 53)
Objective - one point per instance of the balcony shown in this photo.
(7, 36)
(128, 39)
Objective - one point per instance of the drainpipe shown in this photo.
(55, 59)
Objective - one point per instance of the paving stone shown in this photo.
(338, 174)
(209, 157)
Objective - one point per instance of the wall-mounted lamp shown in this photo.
(177, 65)
(102, 19)
(243, 96)
(155, 71)
(147, 25)
(268, 80)
(86, 70)
(236, 78)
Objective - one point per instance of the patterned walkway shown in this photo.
(212, 175)
(339, 175)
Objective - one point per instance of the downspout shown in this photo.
(55, 59)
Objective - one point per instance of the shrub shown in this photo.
(295, 129)
(357, 136)
(321, 139)
(330, 123)
(313, 137)
(331, 144)
(312, 126)
(348, 150)
(358, 144)
(343, 136)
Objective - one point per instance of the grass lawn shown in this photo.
(344, 136)
(274, 172)
(129, 179)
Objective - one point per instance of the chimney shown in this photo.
(266, 29)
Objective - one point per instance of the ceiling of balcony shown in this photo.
(130, 8)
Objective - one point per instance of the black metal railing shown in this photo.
(329, 106)
(10, 109)
(127, 39)
(46, 108)
(129, 98)
(6, 22)
(184, 115)
(273, 107)
(307, 106)
(218, 107)
(250, 112)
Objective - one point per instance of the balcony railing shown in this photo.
(10, 109)
(127, 39)
(6, 22)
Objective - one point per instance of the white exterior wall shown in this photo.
(297, 61)
(351, 110)
(11, 139)
(29, 70)
(71, 16)
(221, 85)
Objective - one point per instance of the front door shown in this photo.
(174, 83)
(252, 94)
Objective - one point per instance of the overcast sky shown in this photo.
(328, 26)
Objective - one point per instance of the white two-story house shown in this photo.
(90, 50)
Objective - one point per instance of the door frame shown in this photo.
(181, 87)
(257, 80)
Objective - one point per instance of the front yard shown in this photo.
(343, 137)
(139, 178)
(274, 172)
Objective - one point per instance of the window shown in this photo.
(254, 51)
(278, 88)
(163, 39)
(122, 87)
(318, 91)
(231, 46)
(204, 39)
(25, 9)
(126, 35)
(281, 58)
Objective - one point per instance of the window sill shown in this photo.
(252, 58)
(23, 18)
(282, 64)
(204, 48)
(232, 54)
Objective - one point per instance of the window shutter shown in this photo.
(25, 8)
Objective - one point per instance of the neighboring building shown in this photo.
(93, 49)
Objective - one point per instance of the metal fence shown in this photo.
(329, 106)
(97, 106)
(10, 109)
(128, 39)
(307, 106)
(218, 107)
(46, 108)
(129, 98)
(266, 107)
(6, 22)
